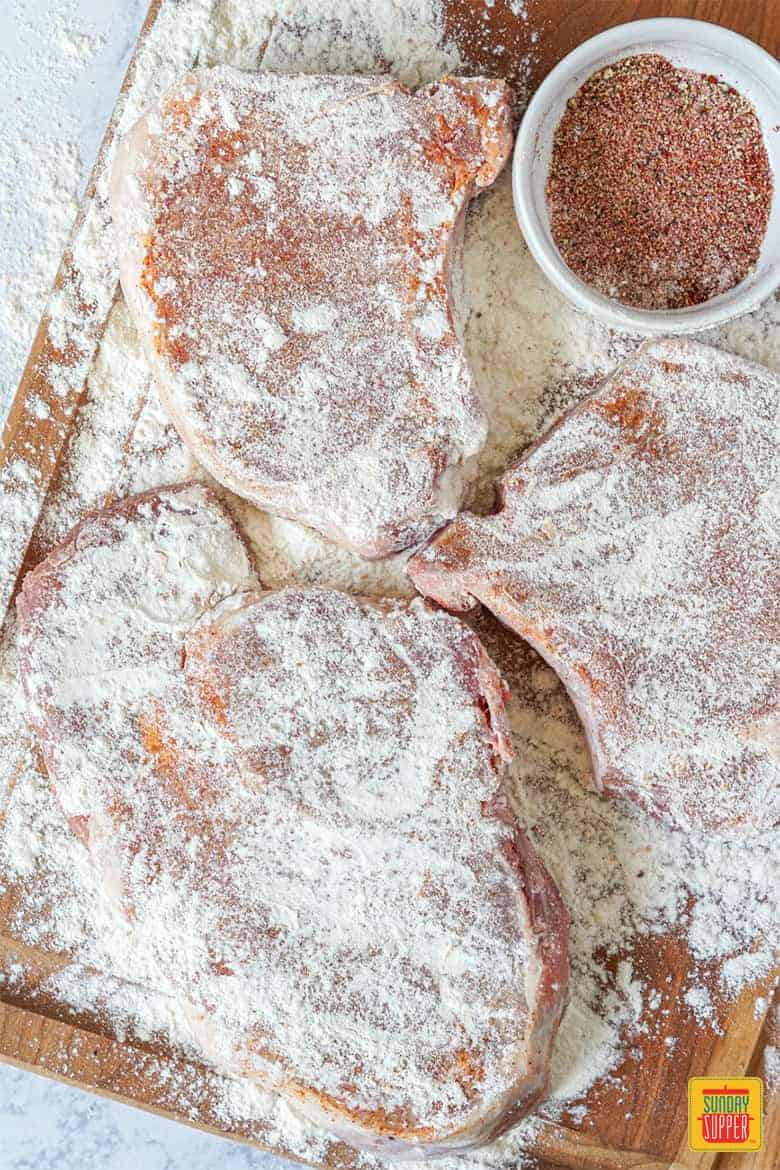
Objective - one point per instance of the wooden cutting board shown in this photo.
(647, 1127)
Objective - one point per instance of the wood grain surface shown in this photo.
(643, 1122)
(552, 28)
(28, 439)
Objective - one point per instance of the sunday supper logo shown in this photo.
(725, 1115)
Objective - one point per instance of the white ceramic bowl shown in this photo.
(691, 44)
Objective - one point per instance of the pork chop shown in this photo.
(636, 548)
(289, 247)
(295, 797)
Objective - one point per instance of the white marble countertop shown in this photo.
(62, 62)
(48, 1126)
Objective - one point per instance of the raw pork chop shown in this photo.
(287, 245)
(636, 548)
(296, 799)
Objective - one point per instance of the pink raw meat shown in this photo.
(296, 800)
(289, 247)
(636, 548)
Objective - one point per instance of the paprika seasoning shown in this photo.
(660, 187)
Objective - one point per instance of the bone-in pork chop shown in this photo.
(636, 548)
(289, 247)
(296, 800)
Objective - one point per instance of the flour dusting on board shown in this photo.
(260, 32)
(44, 54)
(623, 877)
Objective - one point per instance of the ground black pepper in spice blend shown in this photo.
(660, 187)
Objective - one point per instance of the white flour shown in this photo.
(620, 874)
(44, 161)
(321, 392)
(307, 923)
(208, 32)
(625, 548)
(404, 38)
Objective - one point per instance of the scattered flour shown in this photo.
(700, 1002)
(206, 32)
(44, 135)
(622, 876)
(772, 1068)
(406, 38)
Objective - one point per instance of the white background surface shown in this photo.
(61, 62)
(59, 88)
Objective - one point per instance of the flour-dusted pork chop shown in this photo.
(296, 799)
(102, 625)
(636, 548)
(289, 246)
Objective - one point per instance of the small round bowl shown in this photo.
(690, 44)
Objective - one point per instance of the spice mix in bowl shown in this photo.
(645, 176)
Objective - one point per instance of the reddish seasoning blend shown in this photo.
(660, 187)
